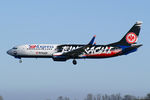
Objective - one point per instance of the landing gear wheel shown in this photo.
(20, 61)
(74, 62)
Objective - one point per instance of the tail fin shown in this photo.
(131, 36)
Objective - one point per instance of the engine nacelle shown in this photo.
(59, 57)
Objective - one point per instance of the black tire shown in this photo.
(20, 61)
(74, 62)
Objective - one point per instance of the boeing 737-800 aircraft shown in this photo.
(64, 52)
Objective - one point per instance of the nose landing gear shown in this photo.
(74, 62)
(20, 61)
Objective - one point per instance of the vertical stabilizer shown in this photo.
(131, 36)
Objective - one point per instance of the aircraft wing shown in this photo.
(75, 53)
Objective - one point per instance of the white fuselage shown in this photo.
(33, 50)
(55, 50)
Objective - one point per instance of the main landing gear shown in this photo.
(74, 62)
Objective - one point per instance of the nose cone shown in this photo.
(9, 52)
(12, 52)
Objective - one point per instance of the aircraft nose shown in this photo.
(9, 52)
(12, 52)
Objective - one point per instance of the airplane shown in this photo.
(64, 52)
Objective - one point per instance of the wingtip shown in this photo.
(139, 23)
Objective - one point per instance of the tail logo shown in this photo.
(131, 37)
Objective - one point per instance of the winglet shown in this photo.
(92, 40)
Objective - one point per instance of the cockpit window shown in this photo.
(14, 48)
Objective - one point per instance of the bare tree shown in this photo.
(1, 98)
(89, 97)
(60, 98)
(98, 97)
(148, 96)
(66, 98)
(129, 97)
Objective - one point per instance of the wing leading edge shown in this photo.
(75, 53)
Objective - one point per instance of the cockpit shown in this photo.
(12, 51)
(14, 48)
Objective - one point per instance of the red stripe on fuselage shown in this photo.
(112, 53)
